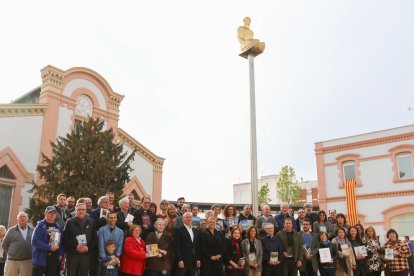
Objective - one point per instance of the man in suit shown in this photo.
(186, 247)
(292, 245)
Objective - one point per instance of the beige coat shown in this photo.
(350, 261)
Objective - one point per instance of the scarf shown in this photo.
(342, 261)
(235, 244)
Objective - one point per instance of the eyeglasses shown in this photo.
(80, 209)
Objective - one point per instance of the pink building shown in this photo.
(382, 164)
(51, 110)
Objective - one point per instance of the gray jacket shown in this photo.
(245, 247)
(16, 247)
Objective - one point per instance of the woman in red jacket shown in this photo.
(133, 253)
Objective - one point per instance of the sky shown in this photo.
(330, 69)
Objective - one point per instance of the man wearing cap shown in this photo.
(79, 237)
(17, 244)
(46, 250)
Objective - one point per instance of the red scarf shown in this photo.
(235, 243)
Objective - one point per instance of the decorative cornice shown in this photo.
(155, 160)
(366, 143)
(52, 76)
(371, 196)
(18, 110)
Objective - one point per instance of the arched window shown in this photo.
(348, 166)
(405, 165)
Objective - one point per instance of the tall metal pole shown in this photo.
(253, 143)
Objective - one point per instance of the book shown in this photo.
(274, 256)
(360, 251)
(146, 220)
(219, 225)
(104, 213)
(252, 257)
(152, 250)
(54, 238)
(246, 224)
(322, 229)
(389, 253)
(325, 255)
(129, 218)
(345, 249)
(81, 239)
(196, 222)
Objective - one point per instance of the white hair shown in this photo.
(125, 199)
(102, 198)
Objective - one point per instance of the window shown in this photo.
(349, 170)
(405, 166)
(6, 173)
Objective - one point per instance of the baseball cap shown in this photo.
(50, 209)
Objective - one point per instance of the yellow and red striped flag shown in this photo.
(351, 207)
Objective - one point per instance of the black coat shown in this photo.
(72, 229)
(138, 219)
(186, 250)
(211, 245)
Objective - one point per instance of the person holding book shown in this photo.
(211, 249)
(252, 253)
(310, 245)
(196, 219)
(374, 260)
(133, 257)
(124, 216)
(272, 252)
(346, 258)
(360, 251)
(246, 219)
(216, 208)
(160, 263)
(144, 217)
(110, 232)
(46, 250)
(110, 263)
(328, 254)
(78, 237)
(292, 245)
(361, 232)
(396, 253)
(322, 225)
(230, 219)
(233, 255)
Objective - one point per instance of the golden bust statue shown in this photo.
(246, 39)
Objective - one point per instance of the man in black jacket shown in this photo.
(79, 237)
(144, 217)
(186, 247)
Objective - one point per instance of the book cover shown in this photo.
(129, 218)
(389, 253)
(81, 239)
(104, 213)
(145, 220)
(196, 222)
(246, 224)
(360, 251)
(152, 250)
(345, 249)
(325, 255)
(54, 238)
(274, 256)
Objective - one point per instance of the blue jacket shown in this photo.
(280, 219)
(105, 234)
(40, 243)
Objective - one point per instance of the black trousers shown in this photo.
(327, 271)
(52, 267)
(78, 264)
(289, 267)
(272, 270)
(309, 269)
(188, 270)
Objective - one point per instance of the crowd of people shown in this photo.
(76, 239)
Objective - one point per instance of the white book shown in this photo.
(360, 251)
(325, 255)
(104, 213)
(389, 253)
(129, 218)
(81, 239)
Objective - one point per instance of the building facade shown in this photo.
(382, 164)
(242, 193)
(39, 117)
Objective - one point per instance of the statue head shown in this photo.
(247, 21)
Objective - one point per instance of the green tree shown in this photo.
(287, 191)
(85, 163)
(264, 194)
